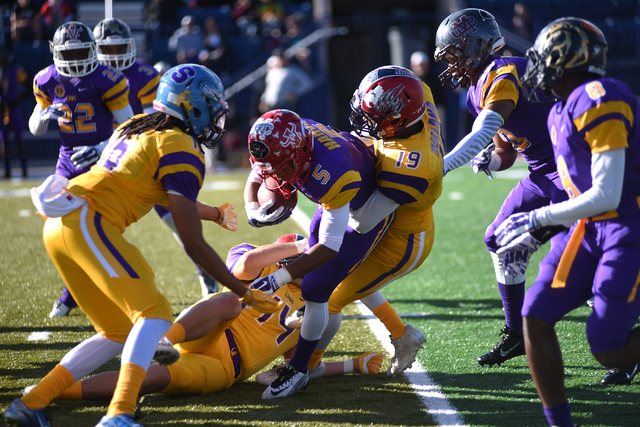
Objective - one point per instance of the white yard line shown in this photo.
(437, 404)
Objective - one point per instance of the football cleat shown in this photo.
(294, 321)
(18, 415)
(122, 420)
(288, 382)
(59, 309)
(318, 371)
(207, 283)
(166, 353)
(511, 345)
(369, 363)
(267, 377)
(406, 349)
(617, 376)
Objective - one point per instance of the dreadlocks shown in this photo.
(155, 121)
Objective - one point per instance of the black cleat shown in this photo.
(617, 376)
(511, 345)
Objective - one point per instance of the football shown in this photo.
(264, 195)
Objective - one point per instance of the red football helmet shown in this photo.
(280, 147)
(289, 238)
(388, 100)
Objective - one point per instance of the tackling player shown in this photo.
(83, 97)
(220, 344)
(335, 170)
(468, 41)
(151, 159)
(596, 141)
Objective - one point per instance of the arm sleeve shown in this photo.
(332, 227)
(123, 114)
(484, 128)
(375, 209)
(36, 127)
(607, 172)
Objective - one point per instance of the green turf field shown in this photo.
(452, 298)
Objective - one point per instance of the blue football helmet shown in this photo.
(195, 95)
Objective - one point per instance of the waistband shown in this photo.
(235, 353)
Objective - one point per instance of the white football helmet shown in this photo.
(69, 37)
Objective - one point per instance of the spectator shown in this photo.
(14, 90)
(26, 25)
(521, 21)
(54, 13)
(284, 84)
(187, 41)
(161, 16)
(213, 44)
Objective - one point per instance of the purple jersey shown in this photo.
(87, 101)
(143, 85)
(525, 128)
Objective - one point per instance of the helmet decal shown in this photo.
(464, 26)
(290, 136)
(73, 31)
(385, 101)
(258, 149)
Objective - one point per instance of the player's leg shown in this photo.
(17, 125)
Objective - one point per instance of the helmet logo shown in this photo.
(183, 99)
(259, 150)
(290, 136)
(385, 102)
(466, 25)
(262, 130)
(73, 31)
(214, 94)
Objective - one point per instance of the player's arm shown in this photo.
(374, 210)
(123, 114)
(485, 126)
(222, 215)
(39, 120)
(250, 264)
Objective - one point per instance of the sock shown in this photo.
(349, 366)
(559, 416)
(391, 320)
(512, 301)
(126, 393)
(176, 334)
(72, 393)
(315, 360)
(55, 382)
(304, 352)
(67, 299)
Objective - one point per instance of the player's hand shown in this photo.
(52, 112)
(258, 216)
(86, 155)
(515, 256)
(516, 225)
(261, 301)
(482, 161)
(228, 218)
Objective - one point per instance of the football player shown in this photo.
(596, 141)
(117, 47)
(396, 110)
(152, 159)
(220, 344)
(468, 40)
(83, 97)
(335, 170)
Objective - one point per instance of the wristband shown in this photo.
(301, 244)
(495, 162)
(282, 276)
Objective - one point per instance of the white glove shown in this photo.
(258, 216)
(515, 256)
(86, 155)
(516, 225)
(482, 161)
(52, 112)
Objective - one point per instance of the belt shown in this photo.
(235, 353)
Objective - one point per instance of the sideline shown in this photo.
(436, 403)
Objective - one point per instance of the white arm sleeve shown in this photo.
(123, 114)
(377, 208)
(332, 227)
(484, 128)
(607, 172)
(36, 127)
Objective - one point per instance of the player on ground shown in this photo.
(468, 40)
(83, 97)
(151, 159)
(336, 171)
(221, 344)
(596, 140)
(392, 106)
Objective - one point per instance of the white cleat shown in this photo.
(166, 353)
(406, 349)
(317, 372)
(287, 382)
(59, 309)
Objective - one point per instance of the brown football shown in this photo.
(264, 195)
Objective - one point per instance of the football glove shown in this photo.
(258, 216)
(228, 218)
(261, 301)
(515, 256)
(482, 161)
(86, 155)
(516, 225)
(52, 112)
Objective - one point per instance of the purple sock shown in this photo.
(304, 351)
(67, 299)
(512, 300)
(559, 416)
